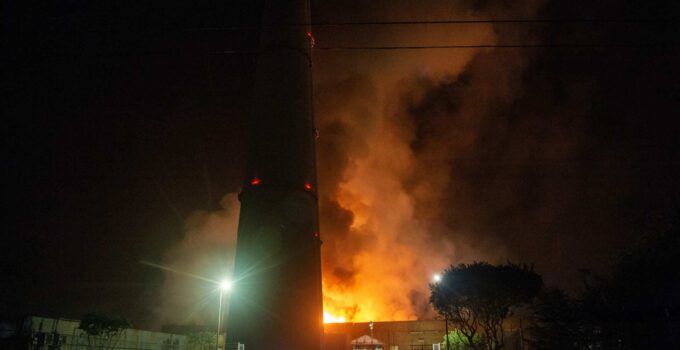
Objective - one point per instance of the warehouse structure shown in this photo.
(402, 335)
(42, 333)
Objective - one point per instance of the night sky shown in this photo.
(123, 142)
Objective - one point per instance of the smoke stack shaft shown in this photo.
(276, 302)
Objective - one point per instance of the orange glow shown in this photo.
(383, 236)
(328, 318)
(380, 267)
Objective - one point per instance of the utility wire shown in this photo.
(485, 21)
(490, 46)
(398, 23)
(474, 46)
(74, 53)
(458, 22)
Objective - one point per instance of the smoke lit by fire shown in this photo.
(406, 185)
(382, 177)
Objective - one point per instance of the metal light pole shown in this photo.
(438, 278)
(446, 329)
(225, 286)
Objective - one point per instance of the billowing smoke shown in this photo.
(433, 157)
(204, 255)
(394, 130)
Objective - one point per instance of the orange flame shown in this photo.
(329, 318)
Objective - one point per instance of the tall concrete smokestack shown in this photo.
(277, 302)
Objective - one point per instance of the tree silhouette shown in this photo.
(458, 341)
(636, 307)
(480, 296)
(102, 332)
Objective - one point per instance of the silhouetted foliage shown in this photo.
(480, 296)
(103, 332)
(557, 323)
(458, 341)
(638, 307)
(201, 340)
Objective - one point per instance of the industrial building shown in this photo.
(42, 333)
(400, 335)
(397, 335)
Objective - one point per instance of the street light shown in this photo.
(224, 287)
(438, 278)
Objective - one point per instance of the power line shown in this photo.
(490, 46)
(474, 46)
(368, 48)
(459, 22)
(406, 22)
(487, 21)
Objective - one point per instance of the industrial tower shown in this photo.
(276, 302)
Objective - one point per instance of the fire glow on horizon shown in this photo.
(382, 182)
(329, 318)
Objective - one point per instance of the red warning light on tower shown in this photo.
(308, 186)
(255, 181)
(312, 41)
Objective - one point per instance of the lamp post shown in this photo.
(438, 278)
(446, 329)
(224, 286)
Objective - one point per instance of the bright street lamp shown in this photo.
(437, 278)
(225, 286)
